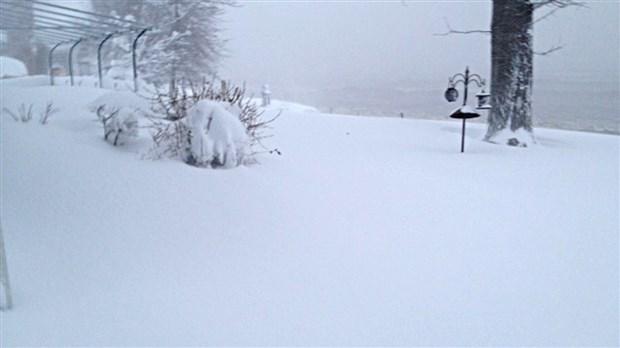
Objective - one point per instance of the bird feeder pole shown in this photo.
(452, 94)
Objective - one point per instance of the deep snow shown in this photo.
(365, 231)
(11, 67)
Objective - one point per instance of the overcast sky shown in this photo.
(336, 43)
(341, 42)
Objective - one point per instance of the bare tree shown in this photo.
(512, 68)
(185, 41)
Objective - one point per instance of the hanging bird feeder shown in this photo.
(483, 100)
(451, 94)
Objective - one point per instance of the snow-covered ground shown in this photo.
(364, 231)
(582, 104)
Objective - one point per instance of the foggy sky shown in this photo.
(314, 43)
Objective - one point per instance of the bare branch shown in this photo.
(558, 3)
(549, 51)
(48, 112)
(452, 31)
(547, 15)
(11, 113)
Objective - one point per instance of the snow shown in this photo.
(217, 137)
(466, 109)
(122, 99)
(11, 67)
(520, 137)
(365, 231)
(278, 105)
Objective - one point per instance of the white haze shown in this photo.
(317, 42)
(309, 50)
(382, 58)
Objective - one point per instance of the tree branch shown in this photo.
(558, 6)
(549, 51)
(452, 31)
(558, 3)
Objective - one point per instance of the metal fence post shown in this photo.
(50, 60)
(99, 64)
(71, 59)
(133, 56)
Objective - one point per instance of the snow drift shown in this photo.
(11, 67)
(365, 231)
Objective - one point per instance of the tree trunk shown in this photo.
(510, 119)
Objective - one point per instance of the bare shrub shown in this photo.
(119, 124)
(168, 138)
(171, 107)
(47, 112)
(25, 113)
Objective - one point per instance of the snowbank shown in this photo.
(286, 106)
(122, 99)
(28, 81)
(520, 138)
(365, 231)
(11, 67)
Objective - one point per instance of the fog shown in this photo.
(384, 58)
(321, 42)
(301, 48)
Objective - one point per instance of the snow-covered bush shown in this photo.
(119, 124)
(174, 105)
(118, 113)
(178, 118)
(11, 67)
(213, 137)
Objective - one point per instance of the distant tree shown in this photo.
(188, 42)
(119, 9)
(185, 41)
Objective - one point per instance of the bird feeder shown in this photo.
(466, 112)
(451, 94)
(483, 100)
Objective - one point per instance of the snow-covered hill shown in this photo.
(364, 231)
